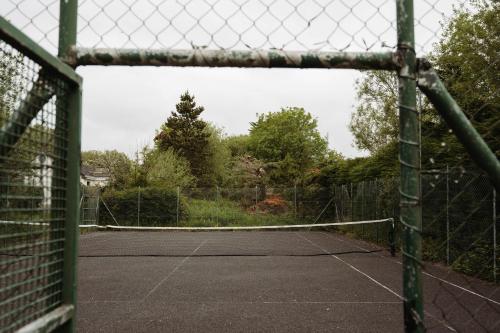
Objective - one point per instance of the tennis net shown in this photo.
(268, 240)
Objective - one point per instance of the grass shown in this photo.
(223, 212)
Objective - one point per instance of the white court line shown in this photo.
(243, 302)
(173, 271)
(423, 272)
(380, 284)
(352, 267)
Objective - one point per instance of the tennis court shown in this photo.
(140, 281)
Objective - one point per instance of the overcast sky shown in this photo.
(138, 100)
(123, 106)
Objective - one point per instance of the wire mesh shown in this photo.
(460, 229)
(208, 207)
(459, 250)
(312, 25)
(33, 144)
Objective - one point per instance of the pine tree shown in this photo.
(185, 133)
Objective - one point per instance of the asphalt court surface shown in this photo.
(274, 281)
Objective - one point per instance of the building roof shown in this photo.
(91, 171)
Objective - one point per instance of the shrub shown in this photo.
(158, 207)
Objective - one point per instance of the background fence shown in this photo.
(459, 212)
(288, 33)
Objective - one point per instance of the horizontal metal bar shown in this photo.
(27, 46)
(234, 58)
(430, 84)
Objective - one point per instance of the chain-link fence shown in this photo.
(459, 216)
(207, 207)
(310, 25)
(459, 251)
(309, 33)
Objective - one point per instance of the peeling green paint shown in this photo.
(105, 58)
(235, 58)
(310, 60)
(409, 155)
(277, 60)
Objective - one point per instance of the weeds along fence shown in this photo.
(216, 206)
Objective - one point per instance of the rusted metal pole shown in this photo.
(233, 58)
(409, 155)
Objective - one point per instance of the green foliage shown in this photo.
(468, 61)
(246, 171)
(225, 212)
(10, 84)
(476, 261)
(217, 158)
(237, 144)
(375, 121)
(158, 206)
(290, 140)
(167, 169)
(186, 134)
(116, 163)
(382, 164)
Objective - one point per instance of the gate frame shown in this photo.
(62, 318)
(412, 72)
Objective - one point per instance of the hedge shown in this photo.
(158, 207)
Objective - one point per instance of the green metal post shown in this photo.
(67, 41)
(68, 17)
(71, 230)
(409, 154)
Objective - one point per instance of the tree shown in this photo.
(290, 140)
(216, 158)
(237, 144)
(186, 134)
(468, 61)
(374, 123)
(116, 163)
(167, 169)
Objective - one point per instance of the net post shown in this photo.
(256, 196)
(447, 215)
(494, 234)
(138, 206)
(392, 238)
(295, 199)
(376, 208)
(97, 206)
(409, 154)
(177, 208)
(217, 205)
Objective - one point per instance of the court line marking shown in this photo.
(380, 284)
(423, 272)
(173, 271)
(247, 302)
(353, 268)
